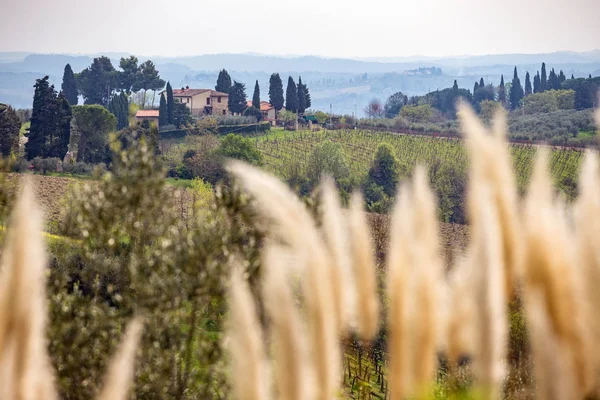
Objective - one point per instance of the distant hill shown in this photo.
(346, 84)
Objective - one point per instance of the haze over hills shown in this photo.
(346, 84)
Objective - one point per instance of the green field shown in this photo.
(283, 148)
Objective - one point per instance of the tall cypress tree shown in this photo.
(301, 96)
(163, 118)
(276, 91)
(42, 113)
(170, 105)
(528, 88)
(69, 85)
(256, 96)
(60, 143)
(552, 80)
(572, 76)
(537, 83)
(544, 79)
(475, 87)
(119, 107)
(502, 91)
(307, 99)
(291, 96)
(223, 82)
(10, 125)
(516, 91)
(481, 83)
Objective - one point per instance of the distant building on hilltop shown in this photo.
(202, 101)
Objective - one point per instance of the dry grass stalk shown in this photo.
(337, 241)
(294, 225)
(289, 353)
(460, 310)
(551, 268)
(491, 163)
(245, 343)
(491, 311)
(25, 372)
(121, 370)
(365, 273)
(414, 277)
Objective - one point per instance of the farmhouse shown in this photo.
(267, 110)
(202, 101)
(147, 115)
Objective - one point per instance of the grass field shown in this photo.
(280, 148)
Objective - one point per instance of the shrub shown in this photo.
(422, 113)
(45, 165)
(253, 113)
(239, 148)
(327, 158)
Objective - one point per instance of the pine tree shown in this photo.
(481, 83)
(237, 98)
(97, 82)
(223, 82)
(276, 91)
(170, 105)
(537, 83)
(528, 89)
(502, 91)
(301, 96)
(10, 125)
(561, 77)
(544, 81)
(516, 91)
(256, 96)
(163, 117)
(291, 96)
(69, 85)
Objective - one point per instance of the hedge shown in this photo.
(241, 129)
(173, 134)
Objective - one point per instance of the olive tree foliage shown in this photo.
(140, 248)
(327, 158)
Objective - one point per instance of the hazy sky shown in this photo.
(333, 28)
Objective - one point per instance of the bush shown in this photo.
(45, 165)
(327, 158)
(422, 113)
(239, 148)
(253, 113)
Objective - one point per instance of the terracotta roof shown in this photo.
(264, 105)
(147, 114)
(194, 92)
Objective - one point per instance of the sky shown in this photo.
(329, 28)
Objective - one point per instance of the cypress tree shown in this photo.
(516, 91)
(256, 96)
(10, 125)
(502, 91)
(163, 117)
(42, 118)
(528, 89)
(307, 99)
(291, 96)
(125, 109)
(475, 87)
(223, 82)
(119, 107)
(237, 98)
(561, 77)
(301, 96)
(537, 83)
(481, 83)
(60, 144)
(69, 85)
(276, 91)
(572, 76)
(170, 105)
(544, 81)
(552, 80)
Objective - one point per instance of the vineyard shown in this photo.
(283, 149)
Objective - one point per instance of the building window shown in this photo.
(187, 100)
(208, 101)
(219, 99)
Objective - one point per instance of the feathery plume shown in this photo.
(24, 362)
(294, 225)
(365, 272)
(122, 367)
(287, 330)
(550, 274)
(335, 233)
(414, 277)
(490, 314)
(245, 343)
(491, 163)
